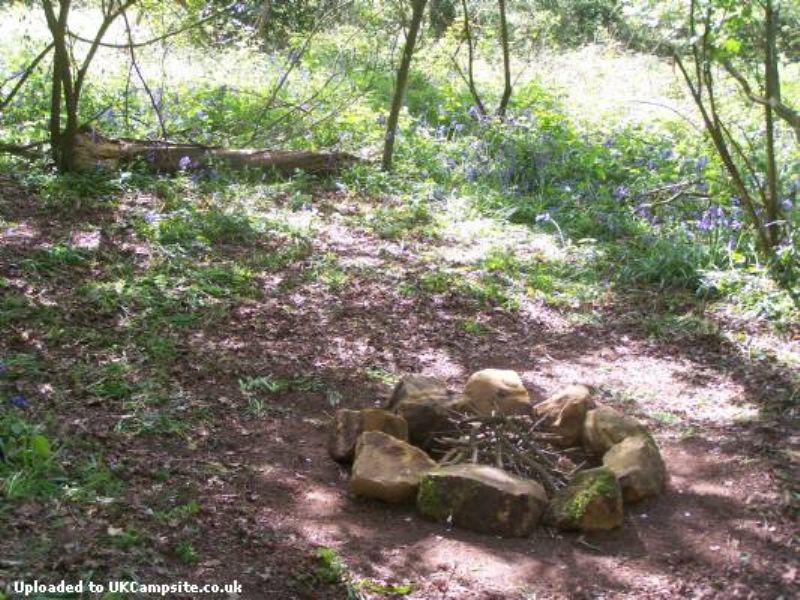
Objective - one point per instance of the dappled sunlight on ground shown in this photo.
(233, 404)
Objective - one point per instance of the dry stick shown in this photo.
(544, 476)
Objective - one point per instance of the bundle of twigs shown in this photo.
(517, 444)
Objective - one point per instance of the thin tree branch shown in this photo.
(160, 38)
(109, 19)
(26, 74)
(471, 59)
(156, 107)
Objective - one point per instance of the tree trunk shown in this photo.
(773, 92)
(402, 82)
(92, 150)
(501, 110)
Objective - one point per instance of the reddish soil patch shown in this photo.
(269, 494)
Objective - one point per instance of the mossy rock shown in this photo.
(591, 502)
(483, 499)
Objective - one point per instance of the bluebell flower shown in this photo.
(19, 401)
(666, 154)
(786, 205)
(185, 162)
(200, 114)
(620, 192)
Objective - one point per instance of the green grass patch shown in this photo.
(29, 467)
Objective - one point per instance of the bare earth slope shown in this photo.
(322, 333)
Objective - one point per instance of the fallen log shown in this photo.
(93, 150)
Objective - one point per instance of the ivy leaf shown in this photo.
(40, 446)
(732, 45)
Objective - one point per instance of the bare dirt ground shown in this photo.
(269, 495)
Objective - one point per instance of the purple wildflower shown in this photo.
(19, 401)
(185, 162)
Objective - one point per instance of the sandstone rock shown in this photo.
(427, 420)
(497, 391)
(426, 405)
(637, 465)
(348, 425)
(483, 499)
(388, 469)
(414, 388)
(604, 427)
(592, 501)
(564, 413)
